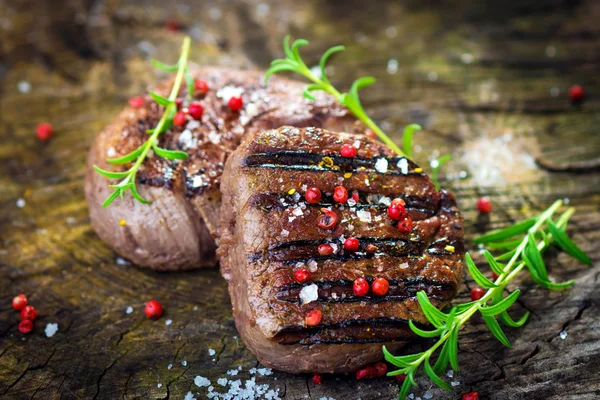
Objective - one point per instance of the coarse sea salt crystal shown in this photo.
(427, 395)
(450, 373)
(168, 322)
(20, 203)
(364, 216)
(312, 265)
(51, 329)
(189, 396)
(129, 310)
(563, 335)
(285, 233)
(297, 212)
(169, 366)
(24, 87)
(159, 385)
(455, 383)
(367, 182)
(201, 381)
(291, 219)
(222, 381)
(232, 372)
(386, 201)
(309, 293)
(381, 165)
(403, 165)
(265, 371)
(211, 352)
(230, 91)
(351, 202)
(335, 247)
(184, 363)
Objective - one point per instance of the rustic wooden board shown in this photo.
(488, 81)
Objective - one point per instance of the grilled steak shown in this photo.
(174, 232)
(269, 232)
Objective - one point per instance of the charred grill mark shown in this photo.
(342, 292)
(269, 201)
(290, 253)
(304, 161)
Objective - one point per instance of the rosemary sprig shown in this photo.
(350, 100)
(539, 233)
(128, 177)
(294, 63)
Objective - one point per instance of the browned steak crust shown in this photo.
(175, 231)
(268, 231)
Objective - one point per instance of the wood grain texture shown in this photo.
(488, 81)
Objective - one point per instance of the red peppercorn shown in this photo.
(361, 287)
(25, 326)
(19, 302)
(484, 205)
(29, 312)
(178, 103)
(316, 379)
(398, 202)
(173, 25)
(136, 102)
(406, 225)
(477, 294)
(401, 378)
(200, 87)
(355, 196)
(328, 219)
(179, 119)
(495, 276)
(380, 286)
(364, 373)
(235, 103)
(471, 396)
(576, 94)
(302, 275)
(396, 211)
(196, 110)
(351, 244)
(348, 151)
(313, 195)
(380, 368)
(44, 131)
(313, 318)
(153, 309)
(340, 194)
(370, 133)
(325, 249)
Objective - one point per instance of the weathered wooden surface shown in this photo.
(488, 81)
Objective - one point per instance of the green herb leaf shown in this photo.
(443, 359)
(453, 348)
(163, 101)
(325, 57)
(400, 361)
(501, 305)
(127, 157)
(406, 386)
(190, 83)
(496, 330)
(508, 321)
(422, 333)
(507, 233)
(434, 378)
(493, 263)
(435, 316)
(170, 154)
(407, 138)
(359, 84)
(164, 67)
(110, 198)
(567, 244)
(535, 257)
(137, 196)
(505, 245)
(477, 275)
(308, 89)
(111, 174)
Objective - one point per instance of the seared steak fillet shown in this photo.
(174, 232)
(268, 232)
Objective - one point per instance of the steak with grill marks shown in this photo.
(268, 231)
(176, 230)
